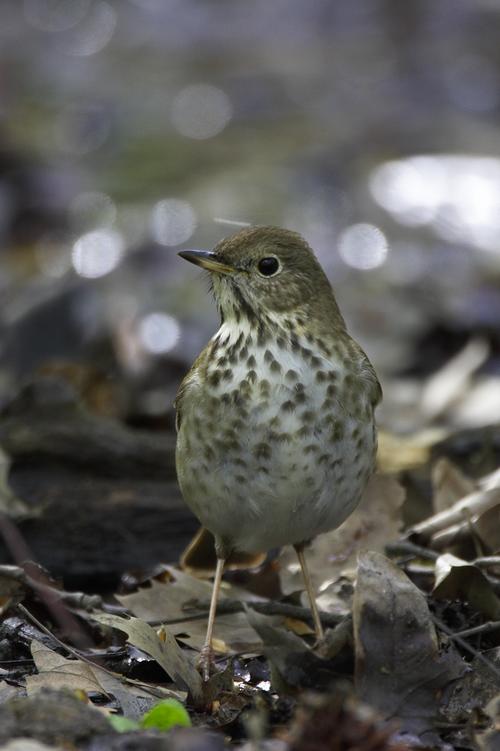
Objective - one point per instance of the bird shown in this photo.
(276, 435)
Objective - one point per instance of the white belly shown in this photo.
(264, 466)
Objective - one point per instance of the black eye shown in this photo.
(268, 266)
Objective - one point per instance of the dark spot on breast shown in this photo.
(291, 375)
(243, 353)
(268, 356)
(281, 342)
(288, 406)
(275, 367)
(265, 387)
(300, 398)
(308, 415)
(252, 376)
(262, 451)
(315, 361)
(251, 362)
(304, 431)
(311, 449)
(214, 379)
(227, 374)
(221, 361)
(321, 376)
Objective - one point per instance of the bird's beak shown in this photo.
(207, 260)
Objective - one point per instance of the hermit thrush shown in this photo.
(276, 433)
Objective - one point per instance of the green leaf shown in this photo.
(123, 724)
(165, 715)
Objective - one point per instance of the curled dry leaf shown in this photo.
(449, 484)
(165, 651)
(399, 669)
(450, 383)
(457, 579)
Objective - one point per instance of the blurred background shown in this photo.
(130, 130)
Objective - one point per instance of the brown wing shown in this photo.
(199, 366)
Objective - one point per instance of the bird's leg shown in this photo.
(310, 591)
(206, 658)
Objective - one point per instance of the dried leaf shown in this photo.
(168, 600)
(167, 652)
(450, 383)
(487, 528)
(449, 484)
(399, 669)
(57, 672)
(458, 579)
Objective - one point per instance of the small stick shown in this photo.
(228, 606)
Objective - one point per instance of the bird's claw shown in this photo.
(206, 662)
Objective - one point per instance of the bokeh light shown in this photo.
(458, 196)
(201, 111)
(363, 246)
(173, 221)
(159, 333)
(94, 32)
(97, 253)
(92, 209)
(54, 15)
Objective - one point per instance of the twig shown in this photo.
(79, 656)
(16, 545)
(485, 628)
(487, 561)
(228, 606)
(474, 504)
(405, 547)
(467, 647)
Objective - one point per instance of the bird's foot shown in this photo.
(206, 662)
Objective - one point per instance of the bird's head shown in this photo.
(267, 273)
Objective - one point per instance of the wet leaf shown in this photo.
(293, 664)
(399, 668)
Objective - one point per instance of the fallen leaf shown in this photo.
(449, 484)
(456, 579)
(399, 669)
(293, 664)
(167, 652)
(57, 672)
(169, 601)
(489, 740)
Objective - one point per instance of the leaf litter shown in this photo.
(411, 657)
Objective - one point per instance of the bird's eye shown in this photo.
(268, 266)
